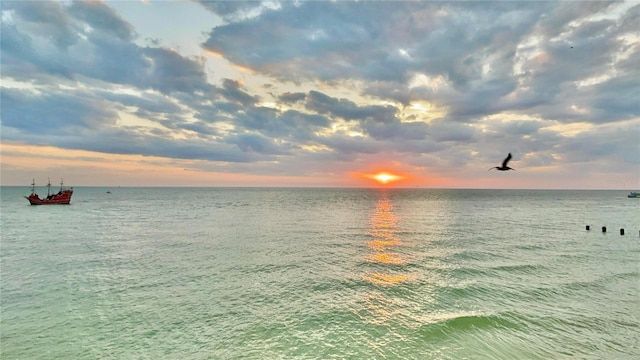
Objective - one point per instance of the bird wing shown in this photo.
(506, 160)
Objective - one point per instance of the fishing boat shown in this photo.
(63, 197)
(634, 194)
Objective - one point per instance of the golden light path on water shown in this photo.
(384, 224)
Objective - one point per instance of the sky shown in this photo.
(321, 93)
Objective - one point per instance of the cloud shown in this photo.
(255, 143)
(90, 40)
(592, 145)
(42, 114)
(232, 90)
(292, 97)
(303, 126)
(314, 86)
(475, 48)
(50, 19)
(235, 10)
(347, 109)
(99, 16)
(170, 72)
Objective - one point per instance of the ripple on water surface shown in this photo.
(320, 273)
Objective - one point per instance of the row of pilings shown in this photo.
(604, 230)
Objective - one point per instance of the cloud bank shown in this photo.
(442, 88)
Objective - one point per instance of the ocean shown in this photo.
(293, 273)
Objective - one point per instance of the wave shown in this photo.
(452, 324)
(519, 268)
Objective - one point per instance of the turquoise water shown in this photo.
(153, 273)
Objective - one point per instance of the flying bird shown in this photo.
(504, 166)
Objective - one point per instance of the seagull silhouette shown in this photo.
(504, 166)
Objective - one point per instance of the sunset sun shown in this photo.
(384, 177)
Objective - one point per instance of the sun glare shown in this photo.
(384, 177)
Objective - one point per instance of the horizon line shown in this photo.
(317, 187)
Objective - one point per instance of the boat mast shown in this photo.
(61, 188)
(48, 187)
(33, 186)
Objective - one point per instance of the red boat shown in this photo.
(63, 197)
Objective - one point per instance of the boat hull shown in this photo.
(61, 198)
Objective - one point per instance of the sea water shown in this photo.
(289, 273)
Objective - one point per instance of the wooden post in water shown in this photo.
(588, 227)
(604, 229)
(621, 231)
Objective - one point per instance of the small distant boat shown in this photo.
(634, 194)
(63, 197)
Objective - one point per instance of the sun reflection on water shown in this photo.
(385, 258)
(386, 279)
(384, 225)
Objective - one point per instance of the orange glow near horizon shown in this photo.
(381, 177)
(384, 177)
